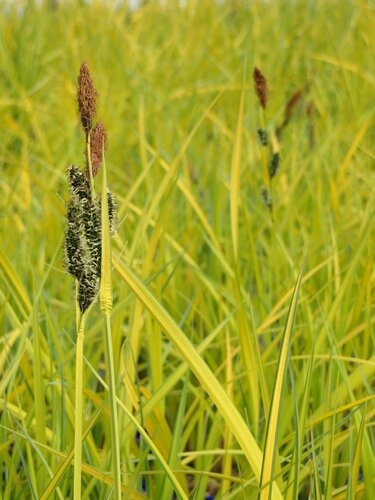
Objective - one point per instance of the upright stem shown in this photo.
(78, 410)
(88, 150)
(106, 300)
(115, 441)
(78, 310)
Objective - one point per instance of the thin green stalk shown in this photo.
(115, 441)
(78, 311)
(88, 150)
(78, 409)
(106, 307)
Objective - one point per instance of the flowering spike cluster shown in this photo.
(83, 236)
(82, 245)
(86, 96)
(260, 84)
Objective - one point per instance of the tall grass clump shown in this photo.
(222, 343)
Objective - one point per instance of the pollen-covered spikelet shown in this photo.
(86, 96)
(112, 213)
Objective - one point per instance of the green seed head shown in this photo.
(274, 165)
(262, 134)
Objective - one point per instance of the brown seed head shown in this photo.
(260, 84)
(86, 96)
(98, 139)
(292, 104)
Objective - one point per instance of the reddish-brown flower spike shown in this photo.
(260, 84)
(86, 96)
(292, 104)
(98, 139)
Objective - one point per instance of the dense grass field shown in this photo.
(242, 336)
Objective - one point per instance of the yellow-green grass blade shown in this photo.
(293, 478)
(354, 466)
(166, 489)
(78, 437)
(235, 180)
(248, 355)
(329, 436)
(228, 437)
(316, 476)
(273, 418)
(40, 406)
(229, 412)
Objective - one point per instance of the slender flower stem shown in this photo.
(78, 410)
(106, 307)
(78, 311)
(89, 162)
(115, 442)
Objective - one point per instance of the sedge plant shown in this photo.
(297, 417)
(91, 219)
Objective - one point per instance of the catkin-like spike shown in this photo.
(260, 84)
(83, 238)
(98, 140)
(112, 213)
(262, 134)
(86, 96)
(274, 165)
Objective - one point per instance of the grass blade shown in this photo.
(273, 419)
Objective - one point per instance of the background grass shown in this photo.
(170, 80)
